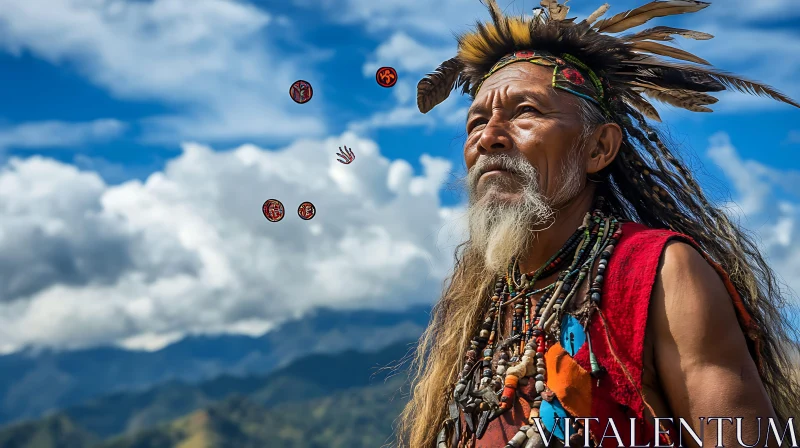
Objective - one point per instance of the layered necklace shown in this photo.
(486, 389)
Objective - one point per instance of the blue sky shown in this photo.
(138, 140)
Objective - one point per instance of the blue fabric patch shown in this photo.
(550, 412)
(572, 335)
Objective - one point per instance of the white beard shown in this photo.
(503, 230)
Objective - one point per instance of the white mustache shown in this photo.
(514, 165)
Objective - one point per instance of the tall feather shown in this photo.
(672, 78)
(640, 104)
(684, 99)
(496, 13)
(728, 80)
(601, 11)
(664, 50)
(629, 19)
(436, 86)
(665, 33)
(697, 97)
(557, 10)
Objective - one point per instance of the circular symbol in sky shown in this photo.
(273, 210)
(386, 76)
(306, 210)
(301, 92)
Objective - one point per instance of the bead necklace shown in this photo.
(484, 391)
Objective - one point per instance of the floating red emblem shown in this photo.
(273, 210)
(386, 76)
(306, 210)
(301, 92)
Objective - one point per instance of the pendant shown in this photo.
(469, 422)
(483, 423)
(456, 419)
(441, 439)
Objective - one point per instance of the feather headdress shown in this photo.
(629, 66)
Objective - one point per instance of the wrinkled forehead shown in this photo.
(516, 83)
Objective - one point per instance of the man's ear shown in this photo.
(606, 141)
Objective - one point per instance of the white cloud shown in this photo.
(207, 58)
(452, 112)
(188, 250)
(767, 201)
(432, 18)
(406, 54)
(59, 134)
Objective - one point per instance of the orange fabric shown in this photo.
(569, 381)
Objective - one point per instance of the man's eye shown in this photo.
(477, 124)
(527, 109)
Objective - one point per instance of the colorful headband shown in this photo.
(569, 74)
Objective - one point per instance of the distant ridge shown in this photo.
(345, 400)
(33, 382)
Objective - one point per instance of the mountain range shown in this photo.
(344, 400)
(35, 382)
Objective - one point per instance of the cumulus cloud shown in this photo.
(451, 113)
(405, 53)
(208, 59)
(767, 202)
(59, 134)
(188, 250)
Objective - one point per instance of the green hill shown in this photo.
(52, 432)
(327, 401)
(355, 418)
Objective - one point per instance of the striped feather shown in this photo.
(665, 50)
(665, 33)
(728, 80)
(557, 11)
(637, 102)
(601, 11)
(629, 19)
(436, 87)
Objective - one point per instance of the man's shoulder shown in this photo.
(689, 286)
(681, 261)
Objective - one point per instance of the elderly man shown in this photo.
(598, 284)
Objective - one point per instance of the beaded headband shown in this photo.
(569, 74)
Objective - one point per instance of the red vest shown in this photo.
(627, 289)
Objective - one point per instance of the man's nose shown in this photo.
(495, 137)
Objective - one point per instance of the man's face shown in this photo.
(518, 114)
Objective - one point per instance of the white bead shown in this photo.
(539, 387)
(518, 439)
(534, 440)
